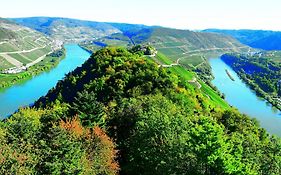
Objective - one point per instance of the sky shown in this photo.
(182, 14)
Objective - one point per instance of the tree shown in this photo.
(90, 111)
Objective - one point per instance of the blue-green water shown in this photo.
(239, 95)
(26, 93)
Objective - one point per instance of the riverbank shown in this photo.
(89, 49)
(261, 76)
(274, 101)
(27, 92)
(240, 96)
(50, 61)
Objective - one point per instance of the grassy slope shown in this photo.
(7, 80)
(190, 46)
(215, 99)
(14, 37)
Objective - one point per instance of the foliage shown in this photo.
(29, 147)
(160, 123)
(158, 136)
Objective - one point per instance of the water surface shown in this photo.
(239, 95)
(28, 92)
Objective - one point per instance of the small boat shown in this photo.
(229, 75)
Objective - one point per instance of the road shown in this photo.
(12, 60)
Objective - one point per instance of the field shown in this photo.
(192, 78)
(4, 63)
(7, 80)
(21, 46)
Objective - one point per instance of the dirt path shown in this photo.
(38, 39)
(3, 42)
(168, 65)
(37, 60)
(194, 81)
(12, 60)
(23, 51)
(211, 49)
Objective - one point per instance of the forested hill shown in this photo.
(262, 39)
(188, 48)
(159, 122)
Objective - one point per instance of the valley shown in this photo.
(238, 94)
(84, 97)
(68, 30)
(25, 93)
(182, 52)
(24, 53)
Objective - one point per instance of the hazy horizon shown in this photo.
(180, 14)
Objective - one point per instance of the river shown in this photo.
(28, 92)
(239, 95)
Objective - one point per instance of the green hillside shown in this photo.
(25, 53)
(74, 30)
(184, 47)
(190, 48)
(21, 46)
(158, 121)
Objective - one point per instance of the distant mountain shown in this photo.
(272, 42)
(175, 42)
(184, 47)
(172, 42)
(262, 39)
(22, 46)
(106, 33)
(74, 30)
